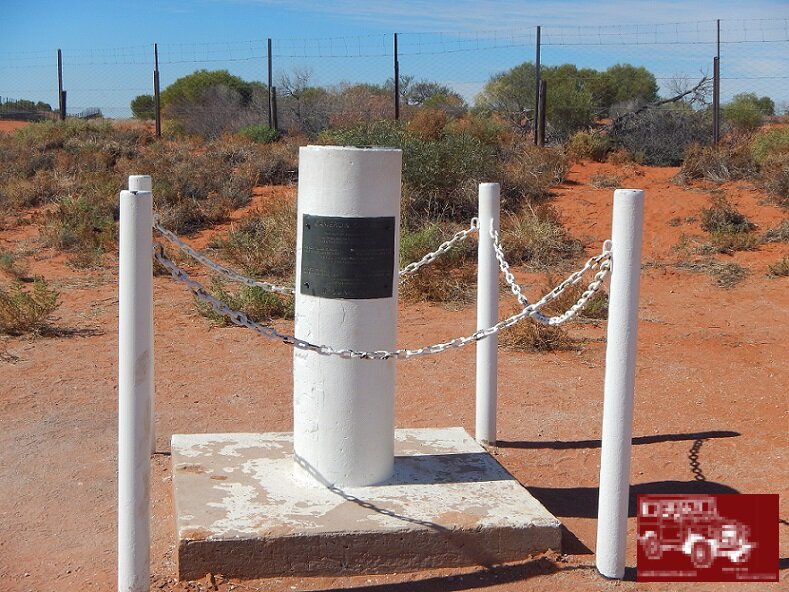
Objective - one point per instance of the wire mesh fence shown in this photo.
(342, 79)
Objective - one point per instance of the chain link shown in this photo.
(269, 287)
(529, 310)
(220, 269)
(601, 261)
(442, 248)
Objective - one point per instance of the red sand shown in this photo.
(711, 369)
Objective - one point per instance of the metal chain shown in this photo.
(222, 270)
(239, 318)
(442, 248)
(603, 261)
(269, 287)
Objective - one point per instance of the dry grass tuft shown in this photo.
(531, 172)
(779, 268)
(724, 275)
(535, 237)
(264, 242)
(26, 311)
(529, 336)
(605, 181)
(450, 279)
(257, 304)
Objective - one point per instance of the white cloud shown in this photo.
(476, 15)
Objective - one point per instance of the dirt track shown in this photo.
(712, 376)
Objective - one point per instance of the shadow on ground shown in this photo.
(482, 578)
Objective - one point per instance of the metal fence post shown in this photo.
(156, 95)
(716, 100)
(537, 85)
(271, 123)
(135, 377)
(273, 108)
(620, 368)
(541, 119)
(61, 92)
(396, 81)
(487, 314)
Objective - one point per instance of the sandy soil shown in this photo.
(9, 125)
(711, 376)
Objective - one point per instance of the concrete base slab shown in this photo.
(245, 508)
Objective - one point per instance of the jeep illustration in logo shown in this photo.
(693, 526)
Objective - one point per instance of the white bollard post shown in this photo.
(145, 183)
(487, 313)
(346, 297)
(620, 369)
(135, 369)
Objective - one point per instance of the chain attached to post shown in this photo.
(603, 261)
(220, 269)
(234, 276)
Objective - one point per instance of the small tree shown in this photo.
(746, 111)
(142, 107)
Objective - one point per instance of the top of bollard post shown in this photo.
(366, 148)
(632, 192)
(140, 183)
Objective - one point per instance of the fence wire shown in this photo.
(754, 57)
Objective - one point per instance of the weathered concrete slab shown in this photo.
(244, 508)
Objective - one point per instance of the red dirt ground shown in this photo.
(712, 373)
(9, 125)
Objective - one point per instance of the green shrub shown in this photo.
(143, 107)
(10, 264)
(770, 142)
(728, 242)
(257, 304)
(263, 242)
(746, 111)
(439, 176)
(259, 133)
(81, 226)
(24, 311)
(589, 146)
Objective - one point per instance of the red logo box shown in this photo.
(708, 538)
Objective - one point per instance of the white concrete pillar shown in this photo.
(145, 183)
(487, 313)
(620, 370)
(135, 377)
(346, 297)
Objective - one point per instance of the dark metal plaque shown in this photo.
(350, 258)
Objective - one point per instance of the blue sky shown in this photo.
(108, 56)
